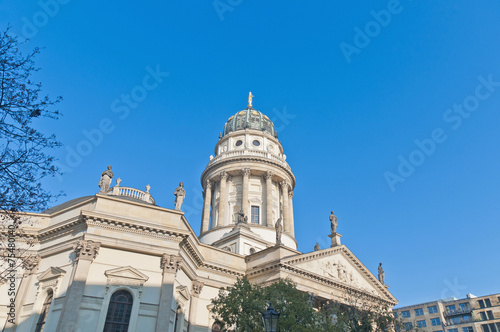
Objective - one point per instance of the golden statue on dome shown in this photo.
(250, 96)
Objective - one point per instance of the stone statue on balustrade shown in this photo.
(179, 193)
(279, 231)
(381, 274)
(105, 181)
(242, 218)
(317, 247)
(333, 223)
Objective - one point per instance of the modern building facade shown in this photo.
(470, 314)
(116, 261)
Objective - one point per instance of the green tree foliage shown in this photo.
(239, 308)
(242, 304)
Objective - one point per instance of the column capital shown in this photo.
(170, 263)
(30, 264)
(208, 184)
(290, 194)
(268, 175)
(245, 171)
(197, 287)
(86, 249)
(284, 184)
(223, 175)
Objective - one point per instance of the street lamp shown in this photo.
(270, 318)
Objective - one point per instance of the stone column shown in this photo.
(245, 172)
(30, 265)
(222, 199)
(269, 198)
(286, 217)
(290, 216)
(193, 309)
(86, 251)
(170, 265)
(206, 207)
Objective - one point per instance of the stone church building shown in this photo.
(116, 261)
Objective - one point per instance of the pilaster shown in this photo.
(86, 251)
(245, 172)
(222, 199)
(286, 212)
(206, 207)
(269, 198)
(170, 265)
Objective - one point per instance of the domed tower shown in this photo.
(248, 186)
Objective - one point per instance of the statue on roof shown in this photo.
(179, 193)
(105, 181)
(317, 247)
(242, 218)
(333, 223)
(279, 231)
(250, 96)
(381, 274)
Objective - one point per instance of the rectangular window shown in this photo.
(408, 325)
(492, 327)
(454, 320)
(255, 215)
(435, 321)
(485, 328)
(467, 329)
(419, 312)
(463, 306)
(488, 302)
(490, 314)
(453, 330)
(481, 303)
(451, 307)
(483, 315)
(433, 309)
(406, 314)
(421, 323)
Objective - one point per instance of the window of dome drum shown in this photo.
(255, 215)
(238, 143)
(256, 143)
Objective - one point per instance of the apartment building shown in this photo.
(470, 314)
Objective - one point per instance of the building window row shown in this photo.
(485, 315)
(435, 321)
(491, 327)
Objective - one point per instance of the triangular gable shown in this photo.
(51, 273)
(340, 265)
(126, 272)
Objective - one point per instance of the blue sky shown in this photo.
(394, 127)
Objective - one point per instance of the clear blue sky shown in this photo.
(346, 104)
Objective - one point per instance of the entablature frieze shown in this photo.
(212, 172)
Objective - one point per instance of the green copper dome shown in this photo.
(249, 119)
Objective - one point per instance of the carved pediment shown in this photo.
(340, 265)
(126, 275)
(51, 273)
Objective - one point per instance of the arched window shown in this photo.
(45, 312)
(118, 316)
